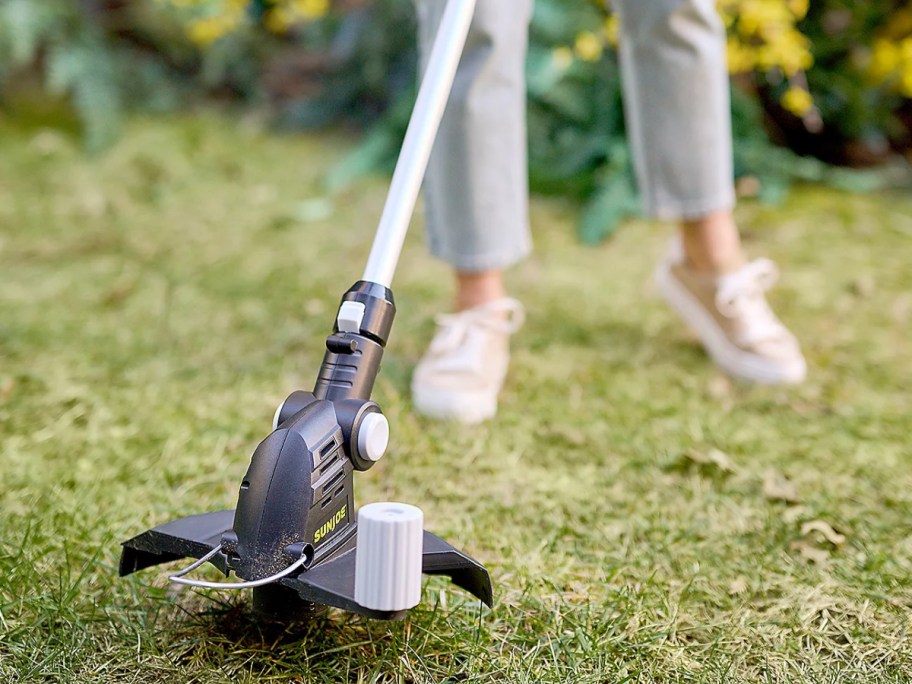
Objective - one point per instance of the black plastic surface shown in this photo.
(295, 402)
(352, 360)
(379, 309)
(330, 581)
(297, 490)
(191, 537)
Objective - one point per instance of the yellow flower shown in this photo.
(588, 47)
(905, 50)
(563, 57)
(762, 17)
(885, 59)
(799, 8)
(210, 29)
(287, 13)
(905, 83)
(741, 59)
(278, 19)
(310, 9)
(789, 51)
(891, 63)
(797, 100)
(763, 35)
(610, 29)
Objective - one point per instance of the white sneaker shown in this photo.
(462, 372)
(733, 320)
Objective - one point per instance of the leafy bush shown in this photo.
(830, 79)
(576, 115)
(76, 59)
(861, 81)
(803, 79)
(576, 122)
(102, 57)
(99, 69)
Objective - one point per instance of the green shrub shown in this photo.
(76, 60)
(861, 81)
(77, 56)
(794, 85)
(831, 80)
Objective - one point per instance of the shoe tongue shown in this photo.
(754, 277)
(449, 337)
(464, 353)
(503, 316)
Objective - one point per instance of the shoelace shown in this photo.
(740, 296)
(454, 327)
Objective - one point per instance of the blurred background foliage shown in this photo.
(818, 86)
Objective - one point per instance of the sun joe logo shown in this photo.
(330, 524)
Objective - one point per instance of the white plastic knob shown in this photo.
(373, 436)
(388, 556)
(351, 315)
(275, 417)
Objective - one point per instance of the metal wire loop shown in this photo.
(178, 576)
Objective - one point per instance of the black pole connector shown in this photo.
(355, 348)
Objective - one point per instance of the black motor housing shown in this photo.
(296, 498)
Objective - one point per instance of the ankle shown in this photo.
(712, 244)
(474, 289)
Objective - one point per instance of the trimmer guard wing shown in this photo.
(330, 583)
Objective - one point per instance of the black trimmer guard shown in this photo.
(330, 582)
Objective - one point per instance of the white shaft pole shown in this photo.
(419, 139)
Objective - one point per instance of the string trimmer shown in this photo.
(293, 537)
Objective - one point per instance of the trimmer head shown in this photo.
(330, 582)
(293, 535)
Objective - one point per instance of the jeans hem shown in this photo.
(485, 261)
(685, 210)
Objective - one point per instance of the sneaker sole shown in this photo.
(464, 407)
(467, 410)
(730, 358)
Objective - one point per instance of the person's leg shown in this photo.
(678, 117)
(711, 242)
(476, 192)
(676, 96)
(477, 288)
(476, 189)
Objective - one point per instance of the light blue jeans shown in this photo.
(676, 96)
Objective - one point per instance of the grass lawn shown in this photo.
(643, 518)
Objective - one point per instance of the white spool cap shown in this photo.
(388, 556)
(373, 436)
